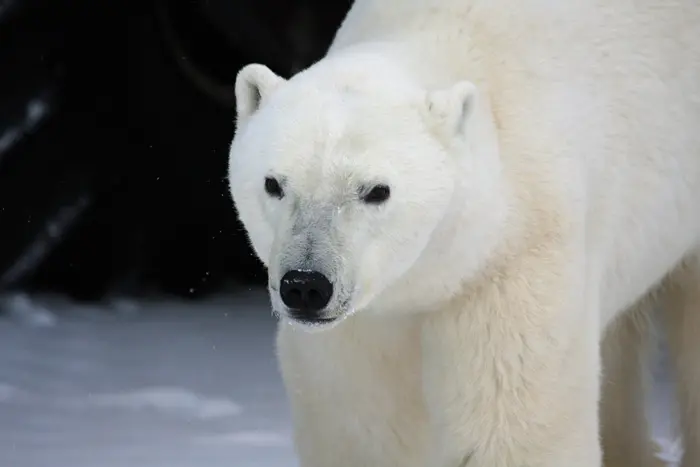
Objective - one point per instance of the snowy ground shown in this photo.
(154, 384)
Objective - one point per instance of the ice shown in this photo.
(156, 383)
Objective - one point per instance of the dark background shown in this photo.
(115, 122)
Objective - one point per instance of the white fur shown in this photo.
(544, 161)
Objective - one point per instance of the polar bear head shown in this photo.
(359, 189)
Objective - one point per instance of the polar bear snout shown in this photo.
(306, 295)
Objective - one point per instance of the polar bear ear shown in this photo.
(254, 83)
(450, 109)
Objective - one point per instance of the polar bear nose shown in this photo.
(305, 291)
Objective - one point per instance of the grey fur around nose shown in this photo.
(312, 244)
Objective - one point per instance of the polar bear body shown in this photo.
(539, 205)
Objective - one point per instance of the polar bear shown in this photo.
(462, 207)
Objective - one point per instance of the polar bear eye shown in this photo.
(273, 188)
(377, 195)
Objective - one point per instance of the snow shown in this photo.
(174, 400)
(155, 383)
(21, 307)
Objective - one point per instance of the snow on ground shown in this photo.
(159, 384)
(155, 384)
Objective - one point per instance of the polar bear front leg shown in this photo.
(355, 393)
(511, 377)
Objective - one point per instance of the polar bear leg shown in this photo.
(624, 425)
(681, 307)
(355, 393)
(511, 378)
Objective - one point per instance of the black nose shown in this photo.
(305, 292)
